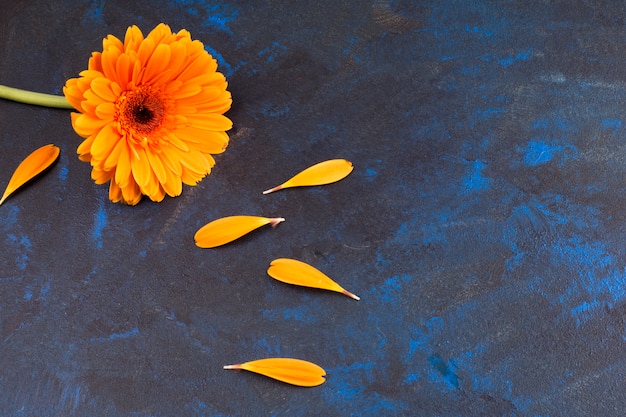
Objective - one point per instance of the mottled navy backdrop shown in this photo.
(483, 225)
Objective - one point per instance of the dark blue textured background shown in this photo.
(483, 225)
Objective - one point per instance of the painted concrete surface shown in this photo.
(483, 225)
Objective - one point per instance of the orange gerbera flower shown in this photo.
(151, 112)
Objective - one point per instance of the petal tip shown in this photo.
(349, 294)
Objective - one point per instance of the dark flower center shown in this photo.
(141, 111)
(142, 115)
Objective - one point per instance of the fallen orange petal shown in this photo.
(30, 167)
(296, 272)
(222, 231)
(319, 174)
(289, 370)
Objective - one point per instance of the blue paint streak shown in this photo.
(100, 221)
(512, 59)
(223, 66)
(612, 124)
(479, 30)
(63, 173)
(115, 336)
(133, 332)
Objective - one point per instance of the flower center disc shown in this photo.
(141, 111)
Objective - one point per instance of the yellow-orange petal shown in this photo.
(173, 186)
(204, 141)
(157, 166)
(30, 167)
(222, 231)
(123, 172)
(292, 371)
(104, 142)
(292, 271)
(319, 174)
(210, 121)
(102, 87)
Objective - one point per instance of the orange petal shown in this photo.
(30, 167)
(325, 172)
(289, 370)
(225, 230)
(296, 272)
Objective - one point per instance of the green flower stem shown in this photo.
(29, 97)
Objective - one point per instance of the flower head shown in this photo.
(151, 112)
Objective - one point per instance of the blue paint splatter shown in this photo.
(420, 344)
(444, 370)
(598, 282)
(507, 62)
(43, 291)
(100, 221)
(301, 314)
(346, 388)
(94, 13)
(24, 244)
(540, 124)
(381, 262)
(28, 294)
(488, 113)
(219, 17)
(391, 288)
(475, 180)
(271, 52)
(274, 110)
(412, 378)
(370, 174)
(270, 347)
(538, 152)
(8, 218)
(584, 311)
